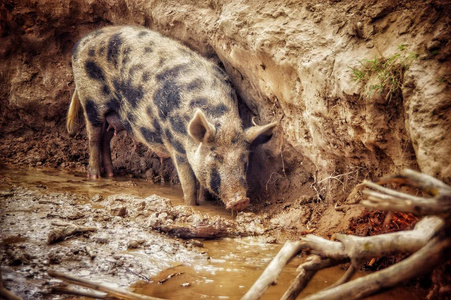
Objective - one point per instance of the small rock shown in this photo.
(134, 244)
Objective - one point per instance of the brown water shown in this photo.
(233, 264)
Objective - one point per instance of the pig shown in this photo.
(176, 102)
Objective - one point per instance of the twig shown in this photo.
(112, 292)
(273, 270)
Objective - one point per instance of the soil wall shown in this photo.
(359, 89)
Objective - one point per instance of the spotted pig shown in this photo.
(168, 97)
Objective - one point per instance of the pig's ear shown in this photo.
(200, 129)
(258, 135)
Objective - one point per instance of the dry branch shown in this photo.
(111, 292)
(421, 262)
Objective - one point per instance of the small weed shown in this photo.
(388, 71)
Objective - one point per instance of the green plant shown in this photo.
(386, 74)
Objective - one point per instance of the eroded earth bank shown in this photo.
(359, 90)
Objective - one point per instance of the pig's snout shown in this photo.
(237, 203)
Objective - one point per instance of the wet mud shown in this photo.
(133, 235)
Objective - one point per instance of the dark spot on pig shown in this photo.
(196, 84)
(94, 71)
(135, 68)
(177, 124)
(126, 55)
(148, 50)
(150, 136)
(172, 73)
(149, 111)
(131, 118)
(215, 181)
(175, 144)
(146, 76)
(114, 45)
(180, 159)
(157, 126)
(161, 61)
(127, 126)
(117, 85)
(93, 113)
(101, 51)
(92, 52)
(113, 105)
(218, 110)
(167, 98)
(106, 90)
(131, 93)
(142, 34)
(198, 102)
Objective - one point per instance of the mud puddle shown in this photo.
(126, 233)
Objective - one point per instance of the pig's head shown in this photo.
(221, 157)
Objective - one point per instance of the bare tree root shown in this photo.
(271, 273)
(429, 242)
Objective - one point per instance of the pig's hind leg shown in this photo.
(107, 135)
(94, 128)
(95, 139)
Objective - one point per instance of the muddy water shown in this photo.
(213, 269)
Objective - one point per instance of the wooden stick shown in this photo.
(272, 271)
(4, 293)
(69, 291)
(306, 271)
(113, 292)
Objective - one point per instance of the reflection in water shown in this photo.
(233, 266)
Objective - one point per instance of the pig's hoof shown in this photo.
(238, 204)
(93, 175)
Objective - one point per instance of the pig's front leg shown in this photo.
(95, 139)
(107, 135)
(187, 180)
